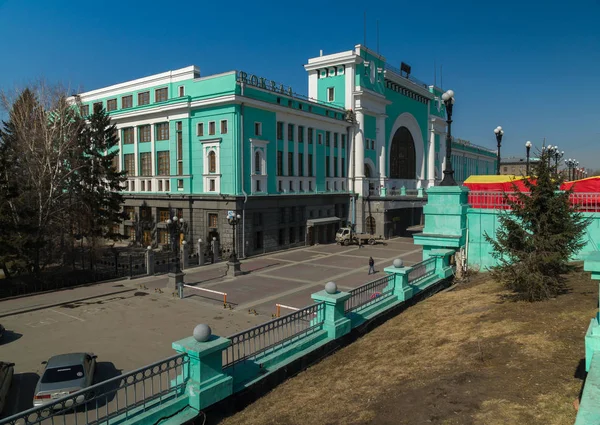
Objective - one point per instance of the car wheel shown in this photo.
(371, 241)
(346, 242)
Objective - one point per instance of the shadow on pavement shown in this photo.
(10, 336)
(20, 394)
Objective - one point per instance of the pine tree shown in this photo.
(100, 182)
(538, 236)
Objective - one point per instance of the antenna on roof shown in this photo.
(365, 28)
(378, 36)
(434, 73)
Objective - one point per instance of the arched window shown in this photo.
(257, 163)
(368, 173)
(403, 162)
(212, 162)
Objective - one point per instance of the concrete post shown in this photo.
(149, 261)
(200, 253)
(215, 249)
(207, 383)
(401, 287)
(335, 321)
(402, 191)
(185, 253)
(443, 269)
(420, 192)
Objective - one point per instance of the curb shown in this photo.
(42, 307)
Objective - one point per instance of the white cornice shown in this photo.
(344, 58)
(407, 84)
(258, 142)
(212, 141)
(371, 95)
(371, 52)
(141, 83)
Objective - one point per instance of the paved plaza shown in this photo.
(131, 323)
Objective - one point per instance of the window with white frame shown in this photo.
(330, 94)
(212, 162)
(211, 128)
(257, 162)
(200, 129)
(181, 90)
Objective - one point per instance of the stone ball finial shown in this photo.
(149, 248)
(214, 238)
(183, 242)
(202, 333)
(199, 240)
(398, 263)
(330, 287)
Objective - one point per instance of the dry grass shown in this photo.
(468, 356)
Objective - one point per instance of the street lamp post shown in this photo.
(527, 149)
(448, 180)
(570, 163)
(499, 133)
(233, 264)
(175, 226)
(557, 156)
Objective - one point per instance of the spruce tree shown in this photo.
(100, 182)
(538, 236)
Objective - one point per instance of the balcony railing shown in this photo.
(586, 202)
(410, 78)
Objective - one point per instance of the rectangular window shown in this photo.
(111, 104)
(279, 163)
(282, 215)
(257, 185)
(212, 185)
(301, 164)
(97, 106)
(164, 165)
(223, 126)
(327, 170)
(258, 240)
(335, 166)
(292, 234)
(343, 171)
(320, 138)
(145, 164)
(213, 221)
(181, 91)
(127, 136)
(335, 140)
(129, 213)
(258, 129)
(127, 101)
(144, 133)
(330, 94)
(290, 132)
(84, 110)
(310, 136)
(279, 130)
(143, 98)
(373, 145)
(163, 237)
(180, 184)
(343, 141)
(160, 95)
(310, 165)
(211, 128)
(162, 131)
(163, 215)
(290, 163)
(291, 186)
(300, 134)
(327, 138)
(200, 129)
(129, 160)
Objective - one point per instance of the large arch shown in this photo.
(403, 163)
(373, 169)
(407, 120)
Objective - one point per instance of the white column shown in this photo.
(120, 130)
(136, 165)
(381, 147)
(152, 149)
(431, 156)
(285, 149)
(305, 154)
(339, 158)
(359, 150)
(315, 142)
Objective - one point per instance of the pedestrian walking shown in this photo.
(360, 243)
(371, 265)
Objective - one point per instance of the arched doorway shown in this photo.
(368, 172)
(403, 161)
(370, 225)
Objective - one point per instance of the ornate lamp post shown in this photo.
(448, 179)
(570, 163)
(499, 133)
(527, 149)
(175, 227)
(234, 263)
(557, 156)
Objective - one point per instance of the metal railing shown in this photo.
(370, 293)
(586, 202)
(421, 271)
(269, 336)
(125, 395)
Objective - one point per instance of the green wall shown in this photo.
(338, 82)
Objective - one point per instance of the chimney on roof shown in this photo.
(321, 52)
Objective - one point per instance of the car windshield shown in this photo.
(60, 374)
(340, 231)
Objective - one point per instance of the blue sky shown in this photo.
(530, 66)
